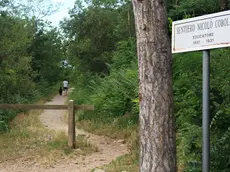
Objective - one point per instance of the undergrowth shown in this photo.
(42, 95)
(115, 98)
(128, 162)
(29, 138)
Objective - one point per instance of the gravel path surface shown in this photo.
(54, 120)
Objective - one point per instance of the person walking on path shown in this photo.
(65, 85)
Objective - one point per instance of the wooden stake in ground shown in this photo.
(157, 131)
(71, 126)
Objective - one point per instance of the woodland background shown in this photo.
(95, 49)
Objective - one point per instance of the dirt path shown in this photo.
(54, 120)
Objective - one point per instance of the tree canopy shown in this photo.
(30, 59)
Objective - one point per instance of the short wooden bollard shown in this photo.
(71, 125)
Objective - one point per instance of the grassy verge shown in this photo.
(129, 162)
(125, 163)
(111, 130)
(28, 138)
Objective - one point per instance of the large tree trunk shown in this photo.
(157, 131)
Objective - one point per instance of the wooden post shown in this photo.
(71, 117)
(71, 125)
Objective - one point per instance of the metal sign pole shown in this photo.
(205, 120)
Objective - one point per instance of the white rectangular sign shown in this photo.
(201, 33)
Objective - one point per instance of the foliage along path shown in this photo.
(108, 149)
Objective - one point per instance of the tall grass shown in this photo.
(29, 138)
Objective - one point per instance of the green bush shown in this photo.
(188, 109)
(115, 96)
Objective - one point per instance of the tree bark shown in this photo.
(157, 125)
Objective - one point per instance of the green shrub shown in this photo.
(116, 96)
(188, 109)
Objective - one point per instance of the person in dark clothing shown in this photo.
(60, 91)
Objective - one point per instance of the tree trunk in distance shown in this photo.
(224, 5)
